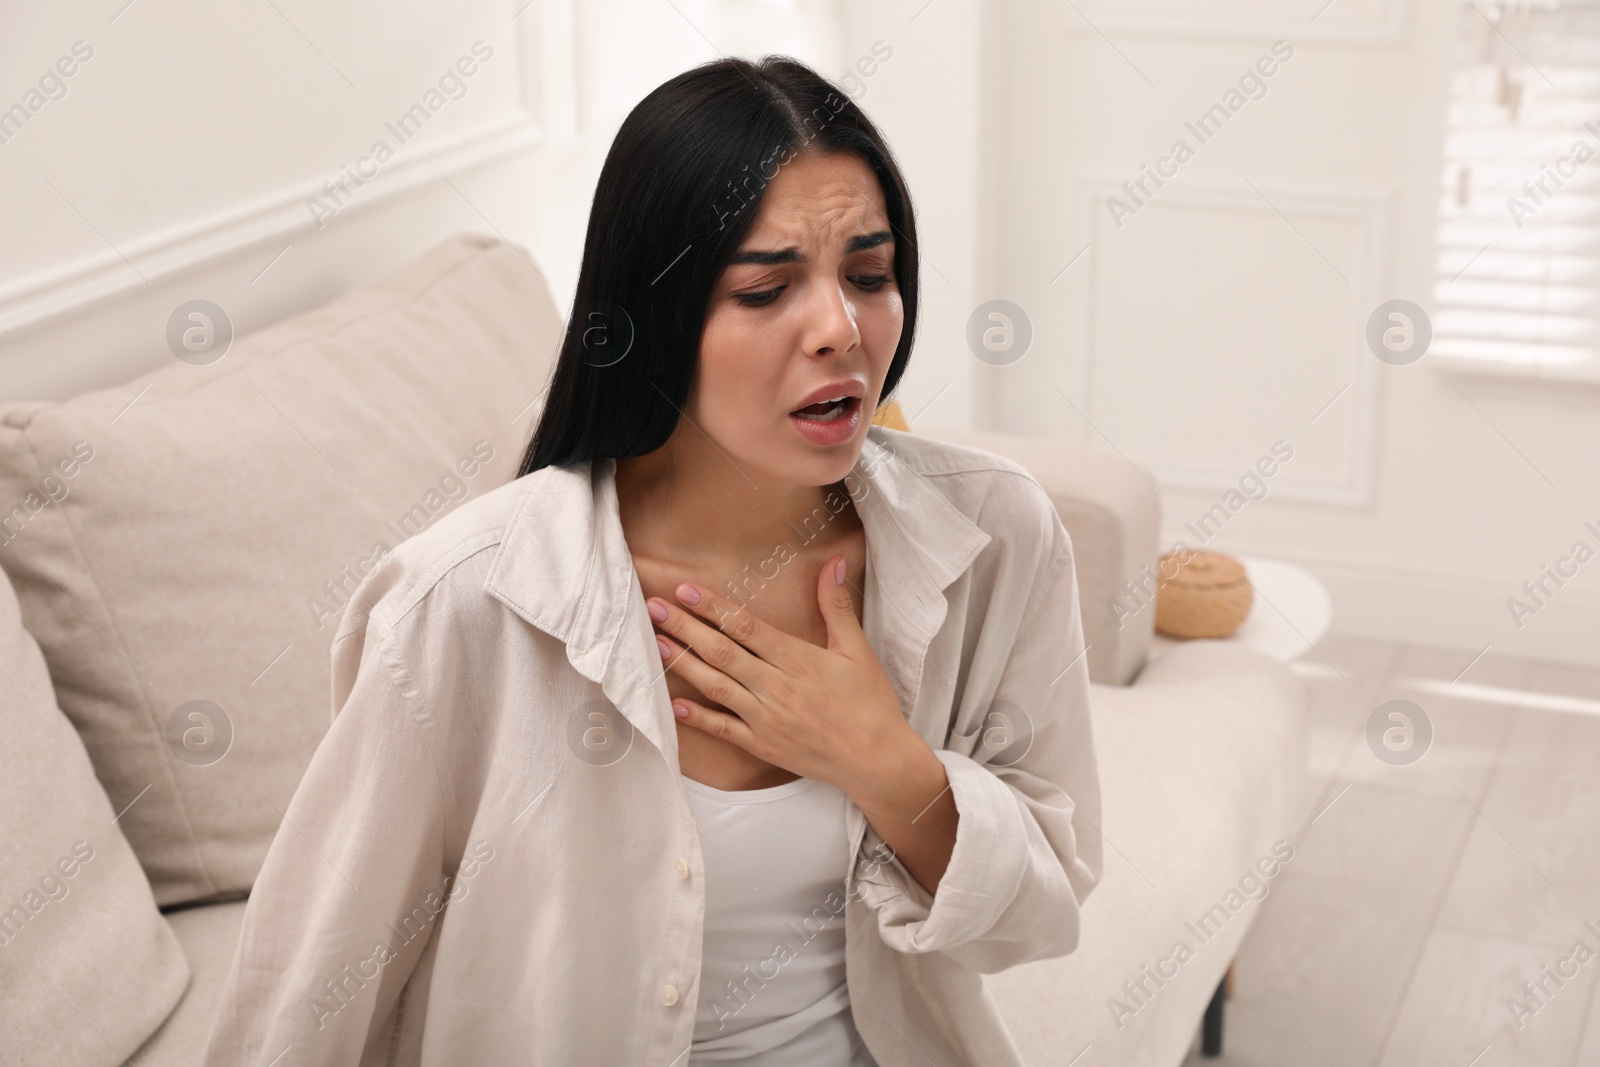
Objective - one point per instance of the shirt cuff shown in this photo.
(985, 870)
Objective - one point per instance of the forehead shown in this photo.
(819, 195)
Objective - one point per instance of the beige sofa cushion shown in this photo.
(184, 576)
(209, 934)
(80, 938)
(1202, 772)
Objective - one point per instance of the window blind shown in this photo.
(1518, 270)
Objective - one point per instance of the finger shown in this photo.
(730, 728)
(715, 685)
(838, 609)
(726, 635)
(736, 621)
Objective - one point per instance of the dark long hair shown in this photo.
(679, 192)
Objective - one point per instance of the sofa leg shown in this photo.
(1211, 1027)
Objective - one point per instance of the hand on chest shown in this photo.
(787, 600)
(770, 671)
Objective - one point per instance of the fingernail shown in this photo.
(838, 573)
(680, 711)
(664, 648)
(658, 611)
(688, 594)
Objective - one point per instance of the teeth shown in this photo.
(829, 416)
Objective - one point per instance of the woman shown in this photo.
(733, 730)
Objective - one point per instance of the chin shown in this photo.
(802, 463)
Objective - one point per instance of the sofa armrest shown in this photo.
(1112, 512)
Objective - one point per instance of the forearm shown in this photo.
(906, 798)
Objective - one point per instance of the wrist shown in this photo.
(897, 776)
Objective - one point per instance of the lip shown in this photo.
(844, 387)
(831, 434)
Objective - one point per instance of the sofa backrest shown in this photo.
(182, 546)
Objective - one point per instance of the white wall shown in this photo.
(189, 151)
(1227, 313)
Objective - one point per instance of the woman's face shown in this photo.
(808, 308)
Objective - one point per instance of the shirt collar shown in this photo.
(564, 565)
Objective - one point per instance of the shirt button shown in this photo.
(682, 868)
(669, 995)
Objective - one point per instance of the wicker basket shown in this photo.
(1207, 596)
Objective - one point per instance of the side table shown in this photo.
(1290, 611)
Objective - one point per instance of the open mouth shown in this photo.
(828, 410)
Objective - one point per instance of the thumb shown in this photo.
(838, 609)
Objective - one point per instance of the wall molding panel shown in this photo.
(1373, 22)
(46, 296)
(543, 36)
(1366, 215)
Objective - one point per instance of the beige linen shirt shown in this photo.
(492, 858)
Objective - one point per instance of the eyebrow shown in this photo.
(793, 255)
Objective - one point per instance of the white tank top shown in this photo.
(772, 985)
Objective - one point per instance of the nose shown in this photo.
(831, 324)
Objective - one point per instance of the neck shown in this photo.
(709, 510)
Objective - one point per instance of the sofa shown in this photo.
(176, 551)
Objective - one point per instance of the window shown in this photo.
(1518, 276)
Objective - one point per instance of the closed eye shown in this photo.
(761, 299)
(870, 283)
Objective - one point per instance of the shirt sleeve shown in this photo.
(1026, 785)
(352, 887)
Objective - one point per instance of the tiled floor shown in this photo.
(1424, 896)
